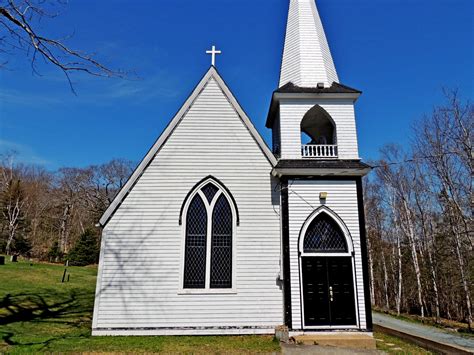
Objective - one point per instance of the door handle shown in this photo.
(331, 294)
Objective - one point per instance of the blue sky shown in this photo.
(400, 53)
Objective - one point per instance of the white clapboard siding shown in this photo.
(307, 59)
(290, 67)
(140, 269)
(342, 199)
(276, 136)
(342, 112)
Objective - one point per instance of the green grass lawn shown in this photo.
(38, 313)
(393, 345)
(445, 324)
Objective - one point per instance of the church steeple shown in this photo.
(307, 59)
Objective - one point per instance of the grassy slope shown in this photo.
(39, 313)
(444, 324)
(392, 345)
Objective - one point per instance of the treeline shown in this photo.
(52, 215)
(419, 204)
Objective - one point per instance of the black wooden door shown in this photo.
(315, 291)
(341, 285)
(328, 291)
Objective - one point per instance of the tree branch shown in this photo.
(19, 25)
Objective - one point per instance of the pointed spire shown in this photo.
(307, 59)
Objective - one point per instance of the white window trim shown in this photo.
(350, 253)
(340, 223)
(204, 291)
(207, 290)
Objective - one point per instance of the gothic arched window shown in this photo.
(221, 246)
(196, 244)
(324, 236)
(208, 239)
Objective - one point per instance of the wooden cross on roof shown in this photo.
(213, 53)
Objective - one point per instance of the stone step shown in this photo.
(341, 340)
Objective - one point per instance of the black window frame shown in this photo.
(195, 278)
(320, 229)
(216, 242)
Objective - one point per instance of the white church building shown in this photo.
(228, 236)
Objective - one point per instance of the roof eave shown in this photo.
(308, 172)
(277, 96)
(319, 95)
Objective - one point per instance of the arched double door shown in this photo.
(327, 274)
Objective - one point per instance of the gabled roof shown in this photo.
(211, 74)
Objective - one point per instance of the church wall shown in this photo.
(140, 291)
(342, 112)
(276, 136)
(342, 199)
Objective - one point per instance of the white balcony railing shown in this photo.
(319, 151)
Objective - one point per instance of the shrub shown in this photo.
(21, 246)
(85, 251)
(54, 253)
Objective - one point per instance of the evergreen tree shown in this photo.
(54, 253)
(85, 251)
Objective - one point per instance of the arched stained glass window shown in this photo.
(221, 247)
(196, 244)
(324, 235)
(209, 238)
(210, 191)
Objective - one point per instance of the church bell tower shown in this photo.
(312, 118)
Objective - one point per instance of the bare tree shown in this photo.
(100, 184)
(445, 141)
(399, 181)
(422, 213)
(114, 175)
(13, 200)
(425, 214)
(397, 253)
(69, 196)
(372, 213)
(19, 21)
(83, 194)
(48, 211)
(37, 185)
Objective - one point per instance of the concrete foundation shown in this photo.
(349, 340)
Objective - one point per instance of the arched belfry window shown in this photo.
(324, 235)
(209, 232)
(318, 127)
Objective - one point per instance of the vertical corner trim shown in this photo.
(286, 253)
(364, 255)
